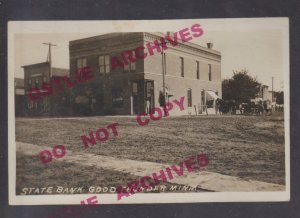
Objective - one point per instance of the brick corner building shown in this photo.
(188, 70)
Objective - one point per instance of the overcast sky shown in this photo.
(260, 51)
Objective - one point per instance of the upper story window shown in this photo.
(131, 66)
(197, 70)
(36, 82)
(209, 72)
(182, 66)
(189, 97)
(29, 81)
(104, 63)
(126, 67)
(81, 63)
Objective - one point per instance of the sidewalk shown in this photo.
(205, 180)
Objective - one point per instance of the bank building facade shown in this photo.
(188, 70)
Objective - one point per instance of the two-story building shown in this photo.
(19, 97)
(56, 104)
(188, 70)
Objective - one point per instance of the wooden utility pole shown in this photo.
(163, 65)
(49, 60)
(272, 89)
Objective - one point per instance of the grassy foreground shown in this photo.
(250, 147)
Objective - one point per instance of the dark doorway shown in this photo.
(99, 102)
(141, 92)
(136, 97)
(149, 93)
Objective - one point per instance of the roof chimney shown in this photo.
(210, 45)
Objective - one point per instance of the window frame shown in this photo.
(105, 65)
(197, 70)
(36, 82)
(181, 66)
(81, 61)
(209, 73)
(189, 97)
(129, 67)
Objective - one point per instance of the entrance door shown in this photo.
(135, 98)
(203, 102)
(141, 92)
(149, 93)
(99, 102)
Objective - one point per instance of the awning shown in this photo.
(169, 94)
(212, 94)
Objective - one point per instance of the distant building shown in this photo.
(57, 104)
(266, 95)
(19, 97)
(191, 71)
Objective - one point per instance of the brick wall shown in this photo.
(113, 45)
(149, 68)
(32, 73)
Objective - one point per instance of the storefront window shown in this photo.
(117, 97)
(134, 88)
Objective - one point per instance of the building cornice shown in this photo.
(187, 46)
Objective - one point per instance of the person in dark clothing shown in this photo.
(162, 103)
(217, 106)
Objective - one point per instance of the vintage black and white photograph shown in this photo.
(163, 111)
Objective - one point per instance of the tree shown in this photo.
(241, 87)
